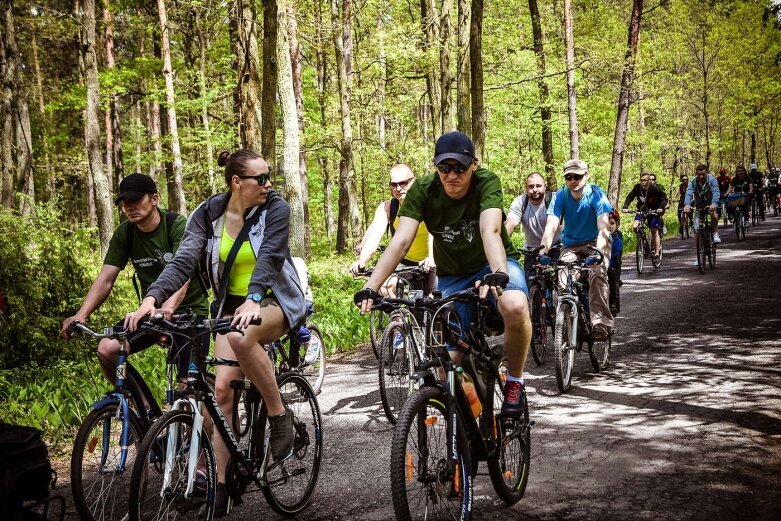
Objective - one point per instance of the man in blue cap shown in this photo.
(462, 206)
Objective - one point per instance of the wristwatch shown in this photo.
(256, 297)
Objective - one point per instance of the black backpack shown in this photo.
(394, 210)
(25, 470)
(548, 198)
(200, 275)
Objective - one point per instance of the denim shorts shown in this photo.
(654, 221)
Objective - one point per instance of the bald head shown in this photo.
(401, 179)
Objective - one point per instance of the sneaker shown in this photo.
(514, 399)
(664, 230)
(312, 350)
(600, 332)
(282, 435)
(398, 341)
(716, 238)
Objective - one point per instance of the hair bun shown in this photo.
(222, 159)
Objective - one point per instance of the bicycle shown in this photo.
(294, 357)
(542, 305)
(684, 224)
(703, 233)
(105, 445)
(441, 436)
(175, 474)
(643, 248)
(573, 326)
(737, 201)
(755, 215)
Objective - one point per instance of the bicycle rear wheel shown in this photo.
(509, 466)
(397, 364)
(563, 348)
(290, 484)
(700, 244)
(639, 254)
(159, 495)
(421, 485)
(314, 372)
(378, 321)
(99, 480)
(539, 314)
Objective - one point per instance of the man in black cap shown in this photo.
(149, 239)
(462, 206)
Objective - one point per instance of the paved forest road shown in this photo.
(685, 424)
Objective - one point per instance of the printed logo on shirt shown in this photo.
(463, 230)
(159, 257)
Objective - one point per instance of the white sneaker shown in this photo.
(312, 350)
(716, 238)
(398, 341)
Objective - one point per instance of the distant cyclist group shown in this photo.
(448, 278)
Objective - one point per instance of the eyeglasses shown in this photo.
(400, 184)
(458, 169)
(576, 177)
(261, 179)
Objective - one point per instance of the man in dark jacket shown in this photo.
(650, 198)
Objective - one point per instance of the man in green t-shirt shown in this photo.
(145, 240)
(461, 204)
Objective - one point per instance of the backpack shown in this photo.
(548, 197)
(170, 219)
(394, 210)
(25, 470)
(703, 196)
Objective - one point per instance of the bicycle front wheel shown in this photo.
(378, 321)
(539, 321)
(291, 482)
(738, 222)
(100, 472)
(656, 260)
(509, 465)
(599, 353)
(700, 243)
(422, 483)
(562, 341)
(639, 254)
(395, 370)
(158, 488)
(711, 250)
(314, 372)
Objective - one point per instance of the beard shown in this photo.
(536, 197)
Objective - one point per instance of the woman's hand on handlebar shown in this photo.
(146, 309)
(246, 314)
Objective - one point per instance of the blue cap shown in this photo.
(454, 145)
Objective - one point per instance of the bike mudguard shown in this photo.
(107, 399)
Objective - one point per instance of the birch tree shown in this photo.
(574, 140)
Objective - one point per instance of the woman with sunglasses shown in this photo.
(261, 283)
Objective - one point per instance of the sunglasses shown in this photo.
(400, 184)
(262, 179)
(576, 177)
(458, 169)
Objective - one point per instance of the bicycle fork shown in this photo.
(172, 448)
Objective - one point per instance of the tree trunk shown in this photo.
(203, 44)
(383, 80)
(9, 65)
(322, 79)
(42, 109)
(445, 74)
(574, 139)
(624, 100)
(114, 164)
(101, 184)
(248, 82)
(542, 85)
(428, 24)
(176, 198)
(463, 74)
(269, 95)
(349, 220)
(291, 138)
(24, 156)
(476, 65)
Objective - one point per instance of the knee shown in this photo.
(223, 393)
(514, 310)
(240, 344)
(108, 348)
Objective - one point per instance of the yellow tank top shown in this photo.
(419, 249)
(241, 271)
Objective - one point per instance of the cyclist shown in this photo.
(585, 211)
(682, 218)
(614, 269)
(650, 198)
(772, 185)
(666, 207)
(531, 211)
(740, 184)
(261, 282)
(148, 239)
(461, 205)
(758, 183)
(386, 218)
(724, 181)
(703, 190)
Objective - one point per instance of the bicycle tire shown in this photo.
(538, 311)
(509, 467)
(148, 500)
(427, 492)
(378, 321)
(737, 221)
(656, 261)
(565, 353)
(314, 372)
(639, 255)
(711, 250)
(98, 494)
(599, 353)
(395, 370)
(700, 247)
(291, 483)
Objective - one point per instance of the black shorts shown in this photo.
(179, 352)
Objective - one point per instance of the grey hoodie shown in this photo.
(274, 269)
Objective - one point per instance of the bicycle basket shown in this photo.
(735, 200)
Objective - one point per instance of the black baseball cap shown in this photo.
(454, 145)
(134, 186)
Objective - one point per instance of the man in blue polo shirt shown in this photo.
(585, 210)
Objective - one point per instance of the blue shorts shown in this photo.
(654, 221)
(449, 284)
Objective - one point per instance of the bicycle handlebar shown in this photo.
(390, 303)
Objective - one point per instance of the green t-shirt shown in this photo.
(455, 223)
(151, 252)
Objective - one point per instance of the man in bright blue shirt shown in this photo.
(585, 210)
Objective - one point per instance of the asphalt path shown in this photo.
(685, 424)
